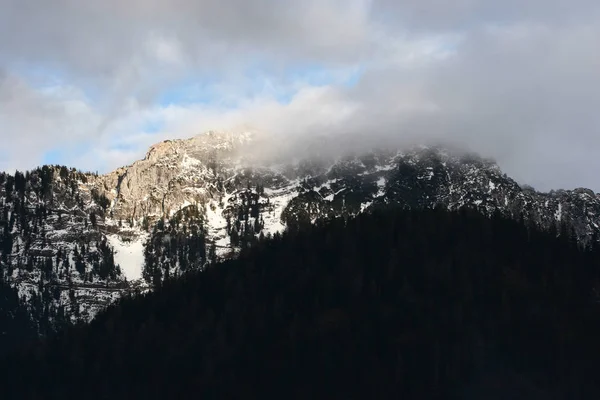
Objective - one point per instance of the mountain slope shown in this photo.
(53, 249)
(82, 240)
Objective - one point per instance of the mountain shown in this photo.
(73, 242)
(410, 304)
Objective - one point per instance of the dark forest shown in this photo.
(394, 304)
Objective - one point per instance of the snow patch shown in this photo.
(129, 255)
(189, 162)
(381, 185)
(364, 206)
(278, 200)
(387, 167)
(216, 224)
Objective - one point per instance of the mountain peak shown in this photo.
(201, 144)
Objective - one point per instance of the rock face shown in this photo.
(189, 202)
(172, 173)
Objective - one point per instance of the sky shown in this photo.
(93, 84)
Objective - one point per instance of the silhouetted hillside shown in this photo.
(395, 304)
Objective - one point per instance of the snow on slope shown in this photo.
(129, 255)
(279, 198)
(217, 225)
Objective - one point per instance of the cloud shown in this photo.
(464, 15)
(515, 81)
(33, 121)
(95, 38)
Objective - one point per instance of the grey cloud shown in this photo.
(441, 15)
(32, 122)
(520, 85)
(96, 37)
(526, 96)
(110, 47)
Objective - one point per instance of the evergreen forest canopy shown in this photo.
(394, 304)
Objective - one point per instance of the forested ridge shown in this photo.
(53, 249)
(392, 304)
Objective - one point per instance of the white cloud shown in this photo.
(165, 50)
(35, 121)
